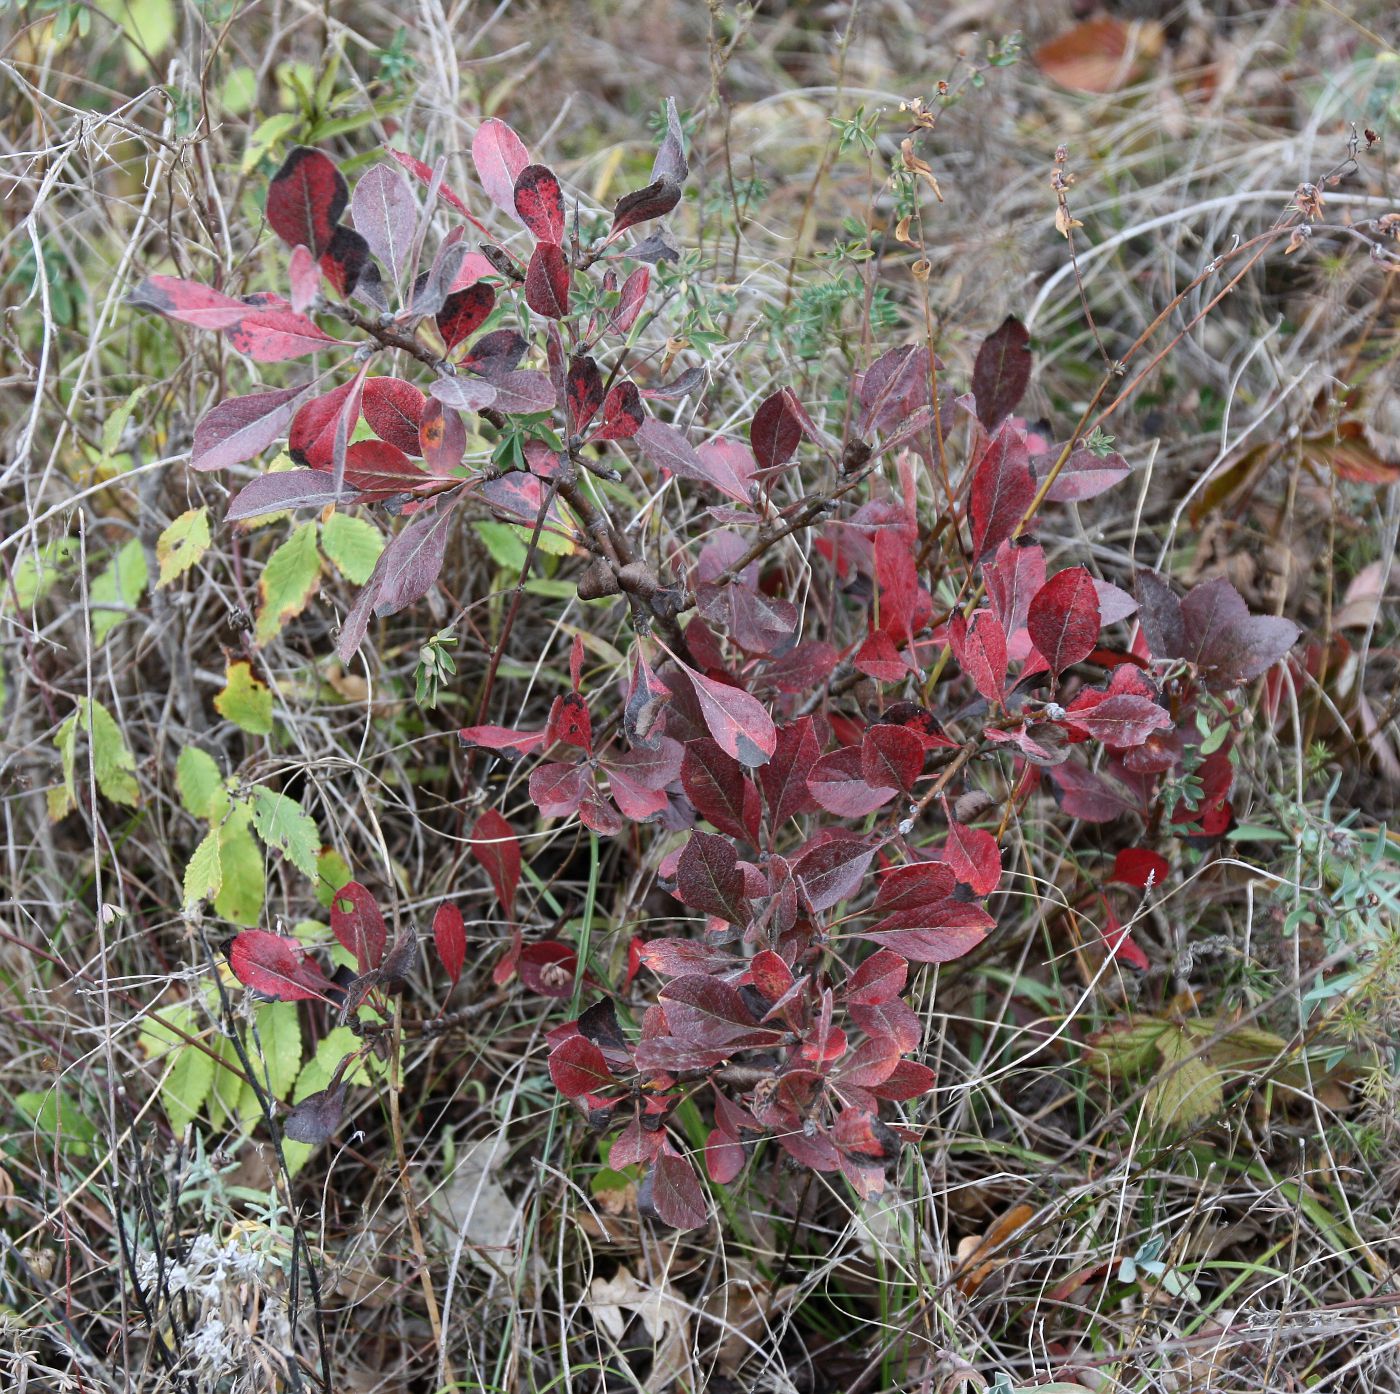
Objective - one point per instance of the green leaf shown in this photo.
(1126, 1048)
(37, 570)
(285, 826)
(188, 1071)
(245, 700)
(244, 884)
(115, 425)
(122, 582)
(505, 546)
(113, 764)
(200, 784)
(352, 544)
(56, 1115)
(288, 581)
(279, 1034)
(332, 872)
(182, 545)
(204, 873)
(266, 136)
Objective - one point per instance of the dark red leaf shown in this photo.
(838, 784)
(724, 1157)
(276, 967)
(1001, 373)
(937, 933)
(708, 1011)
(495, 846)
(891, 756)
(671, 1192)
(357, 922)
(631, 299)
(908, 1080)
(894, 386)
(311, 440)
(831, 871)
(1120, 721)
(656, 200)
(974, 857)
(1063, 618)
(495, 355)
(714, 782)
(539, 203)
(345, 263)
(464, 312)
(737, 720)
(623, 413)
(1003, 488)
(583, 392)
(558, 789)
(305, 199)
(570, 723)
(647, 697)
(450, 939)
(577, 1067)
(776, 430)
(979, 645)
(547, 281)
(784, 777)
(879, 979)
(394, 410)
(1137, 866)
(708, 878)
(770, 974)
(548, 968)
(380, 470)
(756, 622)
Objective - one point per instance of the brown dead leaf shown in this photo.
(664, 1315)
(972, 1247)
(743, 1308)
(1100, 55)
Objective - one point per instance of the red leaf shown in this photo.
(1064, 618)
(1012, 578)
(776, 430)
(394, 410)
(547, 281)
(656, 200)
(832, 871)
(784, 777)
(277, 967)
(1083, 476)
(908, 1080)
(425, 175)
(548, 968)
(894, 387)
(450, 939)
(577, 1067)
(710, 1012)
(737, 720)
(708, 878)
(494, 845)
(891, 756)
(241, 427)
(275, 334)
(1003, 488)
(909, 887)
(539, 203)
(939, 933)
(305, 199)
(838, 784)
(623, 413)
(464, 312)
(524, 392)
(879, 979)
(380, 470)
(1001, 373)
(311, 440)
(1136, 866)
(980, 648)
(583, 392)
(557, 789)
(714, 782)
(724, 1157)
(646, 700)
(631, 299)
(499, 156)
(974, 856)
(188, 302)
(1120, 721)
(771, 976)
(304, 279)
(357, 922)
(345, 263)
(570, 723)
(671, 1192)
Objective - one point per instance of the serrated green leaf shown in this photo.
(245, 700)
(352, 544)
(1187, 1091)
(279, 1035)
(188, 1072)
(113, 764)
(244, 884)
(285, 826)
(182, 545)
(227, 1087)
(204, 872)
(117, 589)
(288, 581)
(200, 783)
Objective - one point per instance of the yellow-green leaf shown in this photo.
(188, 1071)
(332, 872)
(266, 136)
(1187, 1090)
(245, 700)
(200, 784)
(244, 883)
(117, 589)
(37, 570)
(285, 826)
(276, 1046)
(352, 545)
(204, 873)
(113, 764)
(182, 544)
(288, 581)
(115, 425)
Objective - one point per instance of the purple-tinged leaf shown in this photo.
(735, 718)
(837, 783)
(979, 645)
(583, 391)
(547, 281)
(304, 278)
(632, 297)
(829, 872)
(242, 427)
(647, 697)
(776, 430)
(623, 413)
(1002, 372)
(270, 493)
(1063, 618)
(495, 355)
(499, 156)
(671, 1192)
(356, 921)
(714, 783)
(386, 216)
(379, 471)
(412, 561)
(317, 1117)
(465, 394)
(394, 409)
(784, 777)
(524, 393)
(1083, 476)
(668, 449)
(425, 174)
(708, 878)
(1121, 721)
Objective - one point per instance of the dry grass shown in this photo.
(506, 1257)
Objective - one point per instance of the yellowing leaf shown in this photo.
(113, 766)
(288, 581)
(182, 544)
(352, 545)
(245, 700)
(117, 589)
(244, 883)
(204, 873)
(1187, 1091)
